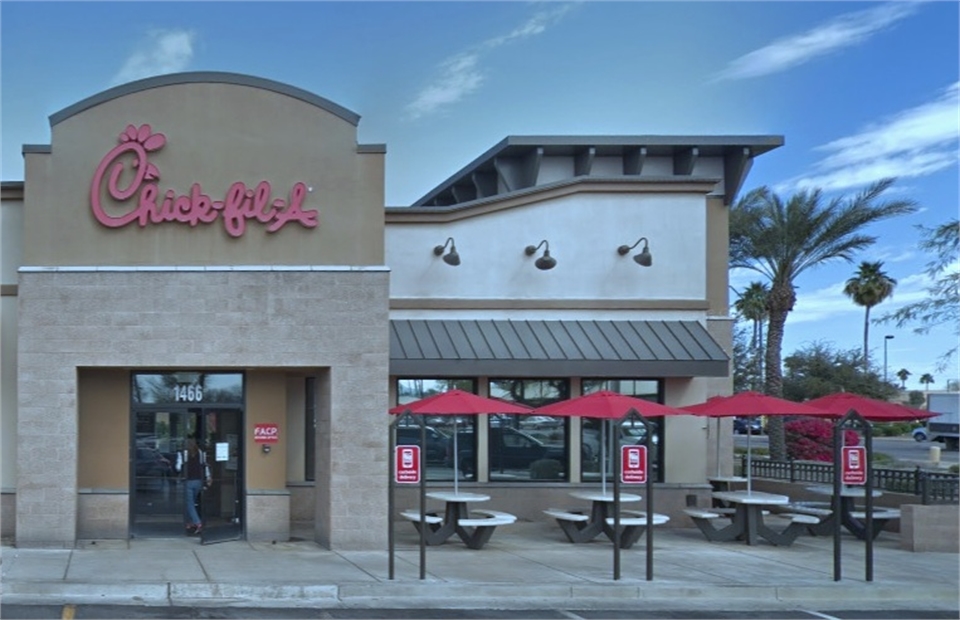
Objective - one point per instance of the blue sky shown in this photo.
(859, 90)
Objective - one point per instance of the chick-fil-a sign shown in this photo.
(149, 205)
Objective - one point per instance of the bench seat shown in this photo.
(812, 508)
(881, 513)
(566, 515)
(490, 518)
(638, 519)
(414, 515)
(700, 513)
(800, 518)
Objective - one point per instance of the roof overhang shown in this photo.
(503, 348)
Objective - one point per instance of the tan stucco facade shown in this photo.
(309, 299)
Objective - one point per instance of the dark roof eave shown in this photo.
(758, 145)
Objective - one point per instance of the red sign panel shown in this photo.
(408, 464)
(633, 464)
(853, 464)
(266, 433)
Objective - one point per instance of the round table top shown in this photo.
(752, 497)
(450, 496)
(598, 496)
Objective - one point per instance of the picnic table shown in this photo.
(851, 517)
(473, 529)
(747, 522)
(581, 526)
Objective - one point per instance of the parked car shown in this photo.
(510, 449)
(629, 436)
(437, 440)
(151, 468)
(742, 426)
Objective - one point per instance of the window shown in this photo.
(450, 448)
(526, 447)
(630, 432)
(310, 428)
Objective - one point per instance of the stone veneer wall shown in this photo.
(102, 515)
(8, 515)
(333, 318)
(268, 515)
(930, 528)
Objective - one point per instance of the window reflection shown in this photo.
(450, 440)
(630, 432)
(528, 447)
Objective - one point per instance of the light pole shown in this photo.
(886, 339)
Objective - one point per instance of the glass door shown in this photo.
(158, 489)
(221, 503)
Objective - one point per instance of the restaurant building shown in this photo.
(209, 255)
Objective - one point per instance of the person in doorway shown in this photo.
(193, 468)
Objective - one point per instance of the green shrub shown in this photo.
(892, 429)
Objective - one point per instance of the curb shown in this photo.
(475, 595)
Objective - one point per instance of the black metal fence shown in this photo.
(931, 487)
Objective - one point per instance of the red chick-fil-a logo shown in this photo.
(239, 204)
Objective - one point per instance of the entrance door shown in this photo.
(158, 497)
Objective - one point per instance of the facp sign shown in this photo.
(853, 466)
(633, 464)
(266, 433)
(408, 464)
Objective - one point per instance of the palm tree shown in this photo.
(903, 374)
(926, 379)
(752, 305)
(869, 287)
(781, 240)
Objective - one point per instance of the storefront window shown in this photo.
(443, 458)
(630, 432)
(528, 447)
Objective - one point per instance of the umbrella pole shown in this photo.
(603, 455)
(718, 447)
(749, 457)
(456, 457)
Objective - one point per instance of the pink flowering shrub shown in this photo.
(811, 439)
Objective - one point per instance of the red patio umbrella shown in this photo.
(751, 404)
(870, 409)
(606, 405)
(456, 403)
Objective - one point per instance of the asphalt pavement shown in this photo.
(527, 565)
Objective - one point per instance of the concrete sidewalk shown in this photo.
(524, 566)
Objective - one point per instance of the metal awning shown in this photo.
(498, 348)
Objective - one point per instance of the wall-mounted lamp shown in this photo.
(451, 257)
(546, 261)
(644, 257)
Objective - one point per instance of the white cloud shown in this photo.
(912, 143)
(829, 302)
(461, 74)
(163, 51)
(831, 36)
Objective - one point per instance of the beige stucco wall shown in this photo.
(103, 399)
(216, 134)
